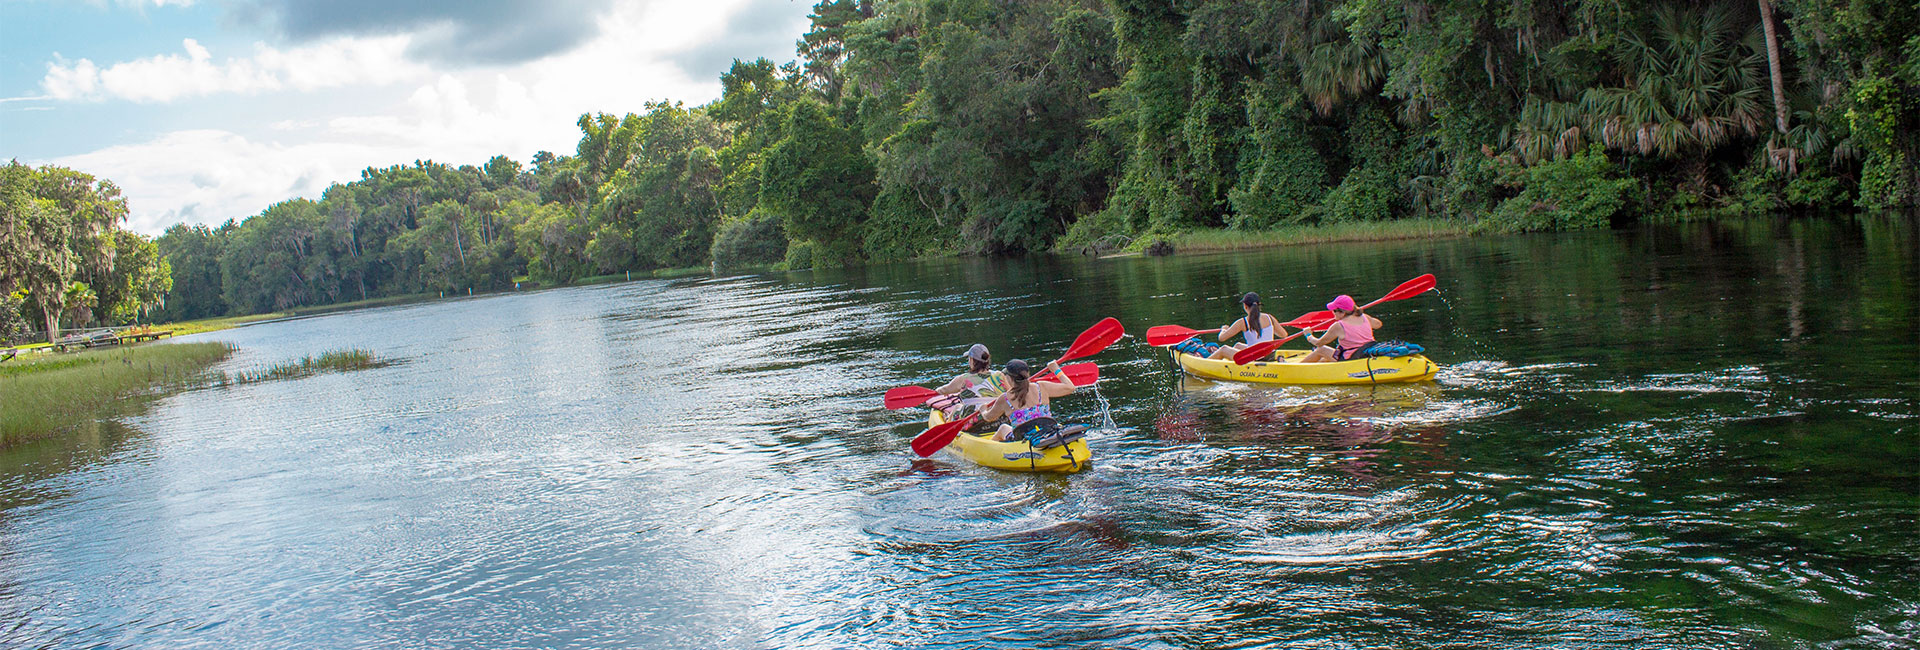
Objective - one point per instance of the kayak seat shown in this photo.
(1066, 435)
(1046, 433)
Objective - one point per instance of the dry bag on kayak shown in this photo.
(1390, 349)
(1196, 347)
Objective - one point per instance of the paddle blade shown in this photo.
(1170, 334)
(906, 396)
(1257, 352)
(1408, 289)
(1095, 339)
(1318, 320)
(926, 444)
(1081, 373)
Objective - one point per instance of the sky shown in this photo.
(207, 110)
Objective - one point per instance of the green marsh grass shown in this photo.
(334, 361)
(43, 394)
(1359, 231)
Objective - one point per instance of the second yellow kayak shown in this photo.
(1017, 456)
(1375, 370)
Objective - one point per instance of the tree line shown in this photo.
(908, 128)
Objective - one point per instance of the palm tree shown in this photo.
(1773, 66)
(1335, 68)
(1690, 85)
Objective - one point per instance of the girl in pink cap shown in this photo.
(1350, 336)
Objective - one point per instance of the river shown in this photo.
(1684, 436)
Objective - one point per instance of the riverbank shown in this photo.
(48, 393)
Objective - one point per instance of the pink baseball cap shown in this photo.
(1342, 303)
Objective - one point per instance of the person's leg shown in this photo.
(1320, 354)
(1226, 351)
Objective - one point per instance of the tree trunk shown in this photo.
(1773, 65)
(456, 244)
(53, 323)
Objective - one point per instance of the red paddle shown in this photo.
(1406, 290)
(905, 396)
(1163, 335)
(1095, 339)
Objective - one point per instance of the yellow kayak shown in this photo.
(1017, 456)
(1374, 370)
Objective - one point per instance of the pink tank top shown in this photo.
(1355, 332)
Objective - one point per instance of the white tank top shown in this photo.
(1265, 333)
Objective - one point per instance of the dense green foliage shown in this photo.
(64, 258)
(926, 127)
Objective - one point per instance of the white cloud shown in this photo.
(169, 77)
(208, 175)
(69, 80)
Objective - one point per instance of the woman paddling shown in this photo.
(1349, 337)
(980, 379)
(1026, 401)
(1268, 328)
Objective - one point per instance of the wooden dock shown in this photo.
(110, 336)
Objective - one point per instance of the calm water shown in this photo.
(1701, 436)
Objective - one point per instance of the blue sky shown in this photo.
(204, 111)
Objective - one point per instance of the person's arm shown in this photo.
(958, 384)
(997, 408)
(1279, 328)
(1373, 322)
(1234, 329)
(1060, 388)
(1332, 334)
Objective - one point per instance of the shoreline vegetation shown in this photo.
(49, 394)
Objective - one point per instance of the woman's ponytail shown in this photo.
(1251, 301)
(1018, 371)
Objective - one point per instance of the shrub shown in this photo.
(1581, 191)
(801, 255)
(754, 239)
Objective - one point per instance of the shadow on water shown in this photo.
(1700, 435)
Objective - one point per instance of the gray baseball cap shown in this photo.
(978, 352)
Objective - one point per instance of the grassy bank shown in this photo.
(48, 393)
(1363, 231)
(215, 324)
